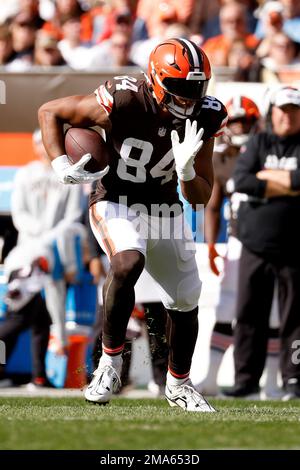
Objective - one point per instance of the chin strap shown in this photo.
(179, 111)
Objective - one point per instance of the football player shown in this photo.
(159, 129)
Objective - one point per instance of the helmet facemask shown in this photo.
(183, 103)
(238, 131)
(179, 110)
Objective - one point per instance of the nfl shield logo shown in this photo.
(162, 131)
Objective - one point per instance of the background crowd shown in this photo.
(255, 38)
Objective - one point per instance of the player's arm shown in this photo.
(199, 189)
(193, 164)
(213, 214)
(280, 182)
(275, 189)
(193, 156)
(250, 179)
(212, 224)
(80, 111)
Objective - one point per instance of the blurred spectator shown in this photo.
(239, 52)
(45, 213)
(26, 309)
(6, 48)
(268, 171)
(120, 50)
(271, 16)
(166, 27)
(152, 11)
(24, 30)
(74, 51)
(100, 19)
(31, 8)
(291, 17)
(281, 54)
(233, 27)
(283, 51)
(116, 22)
(120, 16)
(122, 22)
(105, 54)
(139, 30)
(70, 7)
(46, 52)
(211, 26)
(179, 30)
(115, 52)
(205, 13)
(253, 71)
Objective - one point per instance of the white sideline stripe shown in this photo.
(68, 393)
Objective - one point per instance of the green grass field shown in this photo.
(71, 423)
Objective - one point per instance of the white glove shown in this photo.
(75, 174)
(185, 152)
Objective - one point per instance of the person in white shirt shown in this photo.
(46, 215)
(76, 53)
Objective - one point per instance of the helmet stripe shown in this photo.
(193, 53)
(237, 102)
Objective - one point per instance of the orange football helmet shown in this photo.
(179, 72)
(241, 107)
(243, 110)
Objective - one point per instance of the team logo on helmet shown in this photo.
(242, 107)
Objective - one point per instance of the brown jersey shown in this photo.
(142, 167)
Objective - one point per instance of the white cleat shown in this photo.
(185, 396)
(104, 384)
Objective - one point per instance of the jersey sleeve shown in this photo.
(213, 117)
(105, 97)
(116, 93)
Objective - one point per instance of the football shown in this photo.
(79, 141)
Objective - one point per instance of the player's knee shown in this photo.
(187, 296)
(127, 265)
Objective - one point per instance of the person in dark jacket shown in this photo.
(268, 171)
